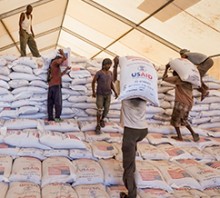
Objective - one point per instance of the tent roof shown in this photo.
(155, 29)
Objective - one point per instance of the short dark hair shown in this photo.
(29, 6)
(183, 51)
(106, 61)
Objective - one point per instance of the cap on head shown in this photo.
(183, 51)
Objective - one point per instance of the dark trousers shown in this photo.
(129, 147)
(54, 98)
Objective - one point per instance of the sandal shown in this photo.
(58, 120)
(177, 138)
(98, 130)
(102, 123)
(196, 137)
(123, 195)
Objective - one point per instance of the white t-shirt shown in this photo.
(26, 24)
(133, 113)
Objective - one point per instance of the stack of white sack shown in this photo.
(24, 90)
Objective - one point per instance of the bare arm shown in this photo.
(67, 68)
(173, 80)
(63, 58)
(115, 67)
(22, 16)
(113, 88)
(31, 26)
(93, 86)
(165, 72)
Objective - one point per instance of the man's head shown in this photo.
(29, 9)
(106, 63)
(183, 52)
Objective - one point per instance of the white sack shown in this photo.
(39, 83)
(56, 153)
(4, 84)
(31, 152)
(22, 69)
(176, 176)
(57, 170)
(79, 73)
(88, 172)
(7, 98)
(26, 169)
(138, 78)
(5, 168)
(5, 78)
(28, 110)
(150, 152)
(91, 191)
(61, 140)
(3, 61)
(6, 149)
(5, 71)
(113, 172)
(69, 125)
(18, 83)
(23, 76)
(148, 176)
(23, 189)
(4, 91)
(4, 189)
(103, 150)
(29, 61)
(57, 190)
(207, 177)
(26, 138)
(9, 114)
(154, 193)
(175, 152)
(29, 89)
(186, 70)
(81, 153)
(91, 136)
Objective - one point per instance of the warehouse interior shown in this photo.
(156, 30)
(66, 157)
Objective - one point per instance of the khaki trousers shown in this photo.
(28, 39)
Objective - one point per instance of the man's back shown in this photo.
(196, 58)
(133, 113)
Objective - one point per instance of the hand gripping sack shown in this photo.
(186, 70)
(138, 79)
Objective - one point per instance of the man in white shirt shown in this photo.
(133, 119)
(26, 33)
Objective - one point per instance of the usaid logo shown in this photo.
(141, 68)
(142, 73)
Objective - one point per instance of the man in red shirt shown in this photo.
(55, 84)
